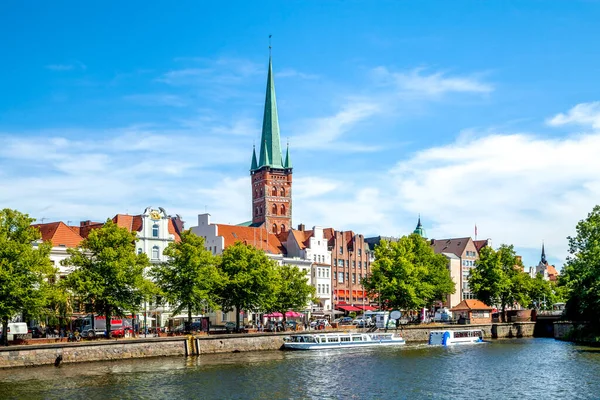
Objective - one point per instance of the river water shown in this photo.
(502, 369)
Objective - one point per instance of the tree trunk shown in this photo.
(284, 321)
(503, 313)
(189, 327)
(108, 323)
(5, 331)
(237, 318)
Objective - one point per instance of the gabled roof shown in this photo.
(471, 304)
(480, 244)
(301, 237)
(454, 246)
(59, 234)
(257, 237)
(133, 223)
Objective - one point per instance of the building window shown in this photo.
(327, 288)
(155, 230)
(340, 277)
(282, 192)
(224, 317)
(353, 264)
(353, 278)
(274, 228)
(155, 253)
(139, 251)
(274, 209)
(274, 191)
(359, 252)
(360, 264)
(315, 257)
(347, 276)
(342, 263)
(341, 249)
(282, 228)
(282, 209)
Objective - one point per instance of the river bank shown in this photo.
(122, 349)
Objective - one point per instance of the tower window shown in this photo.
(282, 192)
(282, 209)
(274, 191)
(274, 228)
(155, 230)
(274, 209)
(282, 228)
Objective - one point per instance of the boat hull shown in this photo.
(330, 346)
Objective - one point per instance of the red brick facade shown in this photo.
(350, 263)
(272, 199)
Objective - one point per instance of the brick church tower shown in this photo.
(271, 176)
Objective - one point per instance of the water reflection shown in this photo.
(524, 368)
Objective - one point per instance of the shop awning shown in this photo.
(348, 308)
(367, 308)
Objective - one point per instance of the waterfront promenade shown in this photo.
(120, 349)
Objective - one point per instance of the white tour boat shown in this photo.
(341, 340)
(451, 337)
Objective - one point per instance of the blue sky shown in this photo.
(467, 112)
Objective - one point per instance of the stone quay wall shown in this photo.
(490, 331)
(46, 354)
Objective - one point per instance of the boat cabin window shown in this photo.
(356, 339)
(466, 334)
(333, 339)
(344, 339)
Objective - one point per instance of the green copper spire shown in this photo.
(288, 161)
(264, 155)
(419, 229)
(270, 150)
(254, 165)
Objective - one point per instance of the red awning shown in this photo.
(349, 308)
(367, 308)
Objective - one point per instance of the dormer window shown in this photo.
(155, 230)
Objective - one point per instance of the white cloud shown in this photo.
(326, 132)
(67, 67)
(518, 188)
(292, 73)
(417, 81)
(587, 114)
(218, 71)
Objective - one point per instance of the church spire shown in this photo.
(254, 163)
(419, 229)
(288, 161)
(270, 141)
(543, 261)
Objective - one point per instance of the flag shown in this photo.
(475, 230)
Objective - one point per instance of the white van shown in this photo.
(16, 328)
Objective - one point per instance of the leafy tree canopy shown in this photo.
(293, 291)
(250, 279)
(108, 275)
(408, 274)
(581, 273)
(24, 268)
(498, 278)
(190, 279)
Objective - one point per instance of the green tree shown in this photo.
(543, 294)
(190, 279)
(292, 291)
(108, 275)
(498, 278)
(250, 280)
(59, 307)
(24, 268)
(408, 274)
(581, 273)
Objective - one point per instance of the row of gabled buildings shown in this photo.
(335, 261)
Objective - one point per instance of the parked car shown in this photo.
(230, 326)
(346, 321)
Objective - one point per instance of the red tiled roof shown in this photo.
(301, 237)
(257, 237)
(86, 226)
(173, 230)
(455, 246)
(480, 244)
(59, 234)
(552, 272)
(471, 304)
